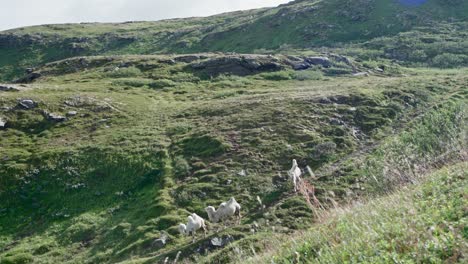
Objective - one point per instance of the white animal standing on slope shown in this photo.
(225, 211)
(295, 174)
(194, 224)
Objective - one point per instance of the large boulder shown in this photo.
(27, 104)
(238, 65)
(29, 78)
(323, 61)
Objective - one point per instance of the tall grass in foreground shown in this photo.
(423, 224)
(440, 136)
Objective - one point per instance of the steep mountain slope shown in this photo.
(299, 24)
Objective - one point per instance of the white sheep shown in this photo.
(225, 211)
(295, 174)
(194, 224)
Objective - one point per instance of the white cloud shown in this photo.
(17, 13)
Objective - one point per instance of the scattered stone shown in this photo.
(222, 241)
(27, 104)
(3, 123)
(160, 242)
(336, 122)
(217, 242)
(54, 117)
(361, 74)
(325, 100)
(72, 113)
(242, 173)
(8, 88)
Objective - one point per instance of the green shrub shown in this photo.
(131, 82)
(203, 146)
(447, 60)
(277, 76)
(84, 228)
(20, 258)
(162, 83)
(181, 167)
(124, 72)
(308, 75)
(440, 133)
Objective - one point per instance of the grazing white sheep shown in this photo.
(194, 224)
(295, 174)
(225, 211)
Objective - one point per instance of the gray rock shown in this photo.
(160, 242)
(361, 74)
(8, 88)
(187, 58)
(325, 100)
(54, 117)
(3, 123)
(324, 61)
(217, 242)
(221, 241)
(242, 173)
(27, 104)
(240, 65)
(72, 113)
(29, 78)
(336, 121)
(300, 66)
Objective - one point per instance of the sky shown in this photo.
(19, 13)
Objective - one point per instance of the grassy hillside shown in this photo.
(112, 139)
(423, 224)
(153, 139)
(299, 24)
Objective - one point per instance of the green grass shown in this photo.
(417, 224)
(132, 164)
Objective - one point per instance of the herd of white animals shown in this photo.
(227, 210)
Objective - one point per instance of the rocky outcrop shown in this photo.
(189, 58)
(241, 65)
(323, 61)
(27, 104)
(8, 88)
(29, 78)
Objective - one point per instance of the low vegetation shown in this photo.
(105, 154)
